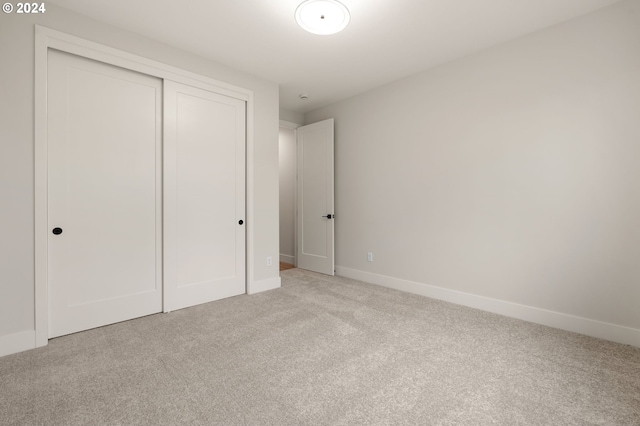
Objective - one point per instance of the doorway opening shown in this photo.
(288, 164)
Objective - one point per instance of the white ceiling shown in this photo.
(385, 41)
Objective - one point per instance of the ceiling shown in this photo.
(386, 39)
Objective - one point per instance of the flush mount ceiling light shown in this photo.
(322, 17)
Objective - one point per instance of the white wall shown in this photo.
(511, 174)
(17, 150)
(291, 116)
(287, 194)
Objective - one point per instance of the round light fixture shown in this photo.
(322, 17)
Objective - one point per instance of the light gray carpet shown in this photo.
(323, 351)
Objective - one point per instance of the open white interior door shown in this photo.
(315, 197)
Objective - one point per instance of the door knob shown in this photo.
(57, 231)
(240, 222)
(329, 216)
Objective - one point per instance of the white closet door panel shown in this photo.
(104, 193)
(205, 196)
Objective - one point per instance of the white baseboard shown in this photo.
(287, 259)
(264, 285)
(586, 326)
(18, 342)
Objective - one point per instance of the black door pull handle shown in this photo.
(57, 231)
(329, 216)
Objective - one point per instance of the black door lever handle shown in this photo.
(329, 216)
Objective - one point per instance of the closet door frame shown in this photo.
(46, 39)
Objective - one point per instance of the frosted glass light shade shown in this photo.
(322, 17)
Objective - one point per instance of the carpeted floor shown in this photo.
(323, 351)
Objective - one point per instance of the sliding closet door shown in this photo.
(204, 203)
(104, 194)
